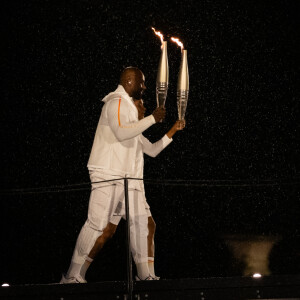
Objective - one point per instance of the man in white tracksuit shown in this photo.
(113, 156)
(144, 146)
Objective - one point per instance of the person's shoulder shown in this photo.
(115, 95)
(120, 104)
(114, 100)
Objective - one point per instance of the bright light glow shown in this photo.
(176, 40)
(256, 275)
(5, 284)
(158, 33)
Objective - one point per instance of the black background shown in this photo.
(242, 135)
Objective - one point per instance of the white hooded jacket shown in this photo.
(118, 144)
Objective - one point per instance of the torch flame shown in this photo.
(176, 40)
(158, 33)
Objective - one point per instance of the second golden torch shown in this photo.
(183, 82)
(183, 86)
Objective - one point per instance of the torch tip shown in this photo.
(158, 33)
(178, 42)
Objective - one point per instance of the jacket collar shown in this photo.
(120, 91)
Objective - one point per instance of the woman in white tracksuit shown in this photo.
(145, 146)
(113, 156)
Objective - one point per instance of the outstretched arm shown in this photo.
(179, 125)
(154, 149)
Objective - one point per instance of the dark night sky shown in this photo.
(61, 58)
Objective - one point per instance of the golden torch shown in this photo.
(183, 82)
(162, 80)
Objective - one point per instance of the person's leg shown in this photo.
(150, 239)
(80, 259)
(138, 233)
(151, 247)
(101, 206)
(107, 234)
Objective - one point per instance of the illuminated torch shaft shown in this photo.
(162, 80)
(183, 86)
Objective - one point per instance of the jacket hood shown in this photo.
(119, 92)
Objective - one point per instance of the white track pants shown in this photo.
(104, 202)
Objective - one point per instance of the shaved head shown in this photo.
(128, 73)
(133, 81)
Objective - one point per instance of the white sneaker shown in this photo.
(137, 278)
(75, 279)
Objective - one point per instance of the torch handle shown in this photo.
(161, 93)
(182, 99)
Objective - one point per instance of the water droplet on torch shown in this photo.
(176, 40)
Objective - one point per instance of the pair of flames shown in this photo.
(175, 40)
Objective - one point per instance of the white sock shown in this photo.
(74, 269)
(142, 270)
(85, 266)
(84, 244)
(151, 266)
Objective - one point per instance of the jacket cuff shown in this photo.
(166, 140)
(152, 119)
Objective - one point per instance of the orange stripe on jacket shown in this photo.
(119, 120)
(119, 113)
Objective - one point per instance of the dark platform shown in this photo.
(273, 287)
